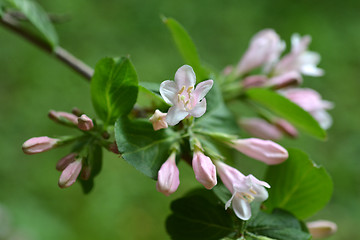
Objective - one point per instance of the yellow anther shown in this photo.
(182, 89)
(253, 191)
(189, 90)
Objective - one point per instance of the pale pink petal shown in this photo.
(285, 80)
(241, 208)
(229, 176)
(70, 174)
(175, 115)
(39, 144)
(260, 128)
(323, 118)
(185, 76)
(169, 91)
(254, 81)
(199, 109)
(202, 89)
(168, 177)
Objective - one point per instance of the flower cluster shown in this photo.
(283, 73)
(185, 103)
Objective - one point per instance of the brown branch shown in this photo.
(60, 53)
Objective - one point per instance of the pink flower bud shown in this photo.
(39, 144)
(260, 128)
(85, 173)
(254, 81)
(63, 117)
(263, 150)
(286, 127)
(229, 176)
(168, 177)
(70, 174)
(158, 120)
(285, 80)
(265, 48)
(321, 228)
(65, 161)
(204, 169)
(85, 123)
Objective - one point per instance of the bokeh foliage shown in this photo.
(124, 203)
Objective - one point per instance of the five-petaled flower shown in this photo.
(184, 98)
(244, 189)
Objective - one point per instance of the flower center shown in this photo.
(184, 97)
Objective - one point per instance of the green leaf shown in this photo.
(149, 97)
(141, 146)
(197, 218)
(114, 88)
(38, 17)
(287, 109)
(186, 47)
(279, 225)
(217, 117)
(298, 185)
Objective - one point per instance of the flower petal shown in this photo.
(202, 89)
(241, 208)
(185, 76)
(169, 91)
(175, 115)
(199, 109)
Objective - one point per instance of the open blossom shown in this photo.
(300, 59)
(311, 101)
(265, 48)
(158, 120)
(266, 151)
(168, 176)
(70, 174)
(204, 169)
(185, 100)
(244, 189)
(39, 144)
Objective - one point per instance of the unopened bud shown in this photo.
(266, 151)
(63, 117)
(112, 147)
(158, 120)
(85, 172)
(254, 81)
(204, 169)
(260, 128)
(77, 112)
(168, 177)
(286, 127)
(70, 174)
(39, 144)
(321, 228)
(65, 161)
(85, 123)
(287, 79)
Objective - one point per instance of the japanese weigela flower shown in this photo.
(85, 123)
(300, 59)
(244, 189)
(266, 151)
(70, 174)
(158, 120)
(39, 144)
(265, 48)
(185, 100)
(168, 176)
(204, 169)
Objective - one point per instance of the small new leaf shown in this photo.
(302, 187)
(114, 88)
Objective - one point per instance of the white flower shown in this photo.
(185, 100)
(245, 189)
(300, 59)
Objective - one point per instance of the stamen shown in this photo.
(182, 89)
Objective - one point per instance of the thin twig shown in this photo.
(60, 53)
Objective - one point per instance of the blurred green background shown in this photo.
(124, 203)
